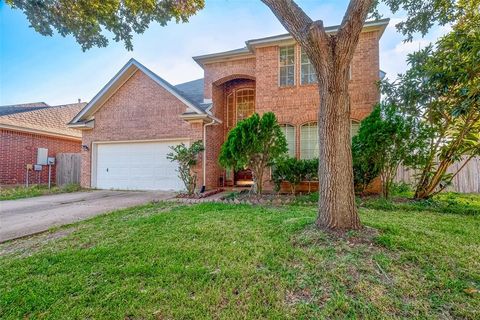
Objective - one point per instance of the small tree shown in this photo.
(187, 158)
(255, 143)
(441, 91)
(381, 144)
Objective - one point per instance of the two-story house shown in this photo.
(128, 126)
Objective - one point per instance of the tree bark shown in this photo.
(331, 56)
(336, 204)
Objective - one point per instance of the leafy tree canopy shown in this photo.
(87, 20)
(441, 93)
(423, 14)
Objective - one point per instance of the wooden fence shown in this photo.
(466, 181)
(68, 168)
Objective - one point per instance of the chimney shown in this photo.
(79, 100)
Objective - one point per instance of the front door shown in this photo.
(243, 177)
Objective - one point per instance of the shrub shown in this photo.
(255, 143)
(187, 158)
(293, 171)
(382, 143)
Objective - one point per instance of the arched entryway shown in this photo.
(236, 97)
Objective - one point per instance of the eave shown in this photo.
(189, 117)
(39, 132)
(249, 50)
(84, 125)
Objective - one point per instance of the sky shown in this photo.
(55, 70)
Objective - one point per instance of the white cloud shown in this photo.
(394, 52)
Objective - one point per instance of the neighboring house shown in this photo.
(25, 128)
(129, 125)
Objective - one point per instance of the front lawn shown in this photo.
(168, 261)
(12, 193)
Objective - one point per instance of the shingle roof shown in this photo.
(17, 108)
(51, 120)
(193, 90)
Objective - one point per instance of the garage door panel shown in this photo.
(136, 166)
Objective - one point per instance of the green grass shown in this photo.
(457, 203)
(166, 261)
(448, 202)
(35, 191)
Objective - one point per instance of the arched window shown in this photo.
(309, 141)
(245, 103)
(289, 132)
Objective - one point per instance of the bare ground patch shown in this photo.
(26, 246)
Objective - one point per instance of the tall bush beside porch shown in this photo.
(255, 143)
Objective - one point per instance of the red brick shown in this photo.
(17, 149)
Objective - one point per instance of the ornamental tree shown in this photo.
(255, 143)
(441, 91)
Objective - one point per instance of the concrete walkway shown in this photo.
(24, 217)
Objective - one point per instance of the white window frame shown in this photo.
(291, 147)
(301, 70)
(315, 133)
(294, 66)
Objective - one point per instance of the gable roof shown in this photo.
(17, 108)
(119, 79)
(47, 121)
(250, 45)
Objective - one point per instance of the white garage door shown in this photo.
(136, 166)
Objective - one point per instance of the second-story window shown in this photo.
(287, 66)
(307, 70)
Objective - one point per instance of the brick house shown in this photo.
(26, 127)
(129, 124)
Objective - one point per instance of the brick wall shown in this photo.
(295, 105)
(221, 72)
(17, 149)
(139, 110)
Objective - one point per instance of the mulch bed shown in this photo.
(199, 195)
(247, 197)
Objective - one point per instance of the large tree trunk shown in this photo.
(331, 56)
(336, 205)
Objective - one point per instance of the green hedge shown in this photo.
(294, 171)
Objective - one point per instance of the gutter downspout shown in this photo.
(204, 160)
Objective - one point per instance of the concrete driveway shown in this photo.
(23, 217)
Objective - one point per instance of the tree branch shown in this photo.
(350, 28)
(310, 34)
(291, 16)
